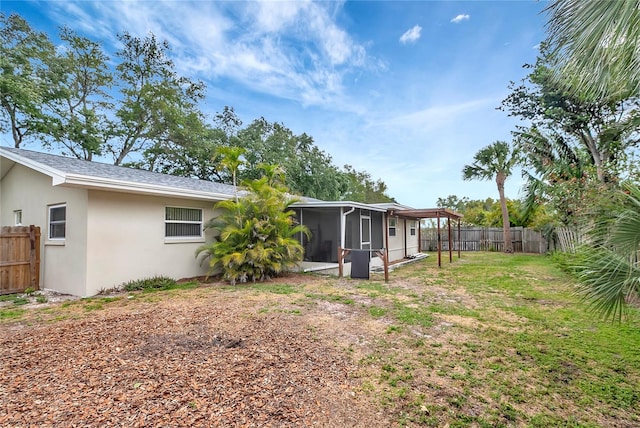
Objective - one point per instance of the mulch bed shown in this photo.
(177, 363)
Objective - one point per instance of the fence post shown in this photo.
(34, 259)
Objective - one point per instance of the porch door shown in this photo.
(365, 231)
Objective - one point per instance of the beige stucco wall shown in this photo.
(63, 263)
(126, 240)
(412, 240)
(397, 243)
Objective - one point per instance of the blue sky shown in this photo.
(406, 90)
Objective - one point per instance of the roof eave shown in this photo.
(140, 188)
(56, 175)
(337, 204)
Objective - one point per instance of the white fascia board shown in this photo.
(56, 175)
(143, 188)
(393, 205)
(337, 204)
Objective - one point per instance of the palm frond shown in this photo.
(597, 44)
(609, 269)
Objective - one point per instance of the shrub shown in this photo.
(153, 283)
(256, 235)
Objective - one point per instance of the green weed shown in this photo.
(276, 288)
(6, 314)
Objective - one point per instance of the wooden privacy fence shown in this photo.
(485, 239)
(569, 239)
(19, 258)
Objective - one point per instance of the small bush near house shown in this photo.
(153, 283)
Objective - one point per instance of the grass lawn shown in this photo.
(488, 340)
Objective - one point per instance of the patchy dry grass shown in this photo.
(489, 340)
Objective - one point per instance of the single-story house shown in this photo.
(103, 225)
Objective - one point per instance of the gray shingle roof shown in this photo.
(67, 165)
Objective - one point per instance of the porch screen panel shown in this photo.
(377, 230)
(352, 238)
(325, 231)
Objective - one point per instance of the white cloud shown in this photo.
(437, 116)
(462, 17)
(292, 50)
(411, 35)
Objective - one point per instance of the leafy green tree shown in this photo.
(495, 162)
(24, 77)
(362, 188)
(309, 171)
(76, 104)
(256, 233)
(488, 212)
(604, 130)
(154, 104)
(609, 267)
(196, 154)
(453, 202)
(597, 44)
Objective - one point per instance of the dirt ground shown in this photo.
(200, 358)
(304, 350)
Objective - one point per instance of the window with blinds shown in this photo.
(182, 222)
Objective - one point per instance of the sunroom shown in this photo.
(339, 224)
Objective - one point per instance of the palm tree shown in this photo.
(495, 161)
(609, 268)
(555, 173)
(231, 160)
(597, 44)
(256, 235)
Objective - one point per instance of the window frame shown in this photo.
(184, 238)
(17, 217)
(412, 228)
(393, 225)
(51, 222)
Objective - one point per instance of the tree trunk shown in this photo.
(596, 156)
(506, 225)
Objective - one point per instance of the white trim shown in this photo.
(49, 208)
(337, 204)
(363, 243)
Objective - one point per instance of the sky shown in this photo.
(405, 90)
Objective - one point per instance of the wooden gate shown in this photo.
(19, 258)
